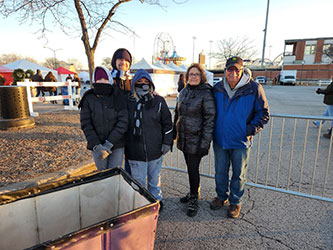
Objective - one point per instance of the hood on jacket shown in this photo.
(245, 79)
(100, 70)
(141, 73)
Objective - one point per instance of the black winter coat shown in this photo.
(328, 94)
(156, 130)
(104, 117)
(194, 119)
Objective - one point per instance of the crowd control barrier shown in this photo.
(70, 96)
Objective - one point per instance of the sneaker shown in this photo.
(315, 124)
(192, 207)
(217, 203)
(186, 198)
(234, 211)
(328, 134)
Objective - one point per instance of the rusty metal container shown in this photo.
(101, 210)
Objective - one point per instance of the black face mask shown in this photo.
(142, 86)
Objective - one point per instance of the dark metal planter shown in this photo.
(14, 108)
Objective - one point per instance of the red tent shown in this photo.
(63, 71)
(6, 73)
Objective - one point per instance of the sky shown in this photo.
(209, 20)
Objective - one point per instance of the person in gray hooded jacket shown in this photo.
(149, 134)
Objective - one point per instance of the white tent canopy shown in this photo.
(84, 75)
(25, 65)
(176, 68)
(143, 64)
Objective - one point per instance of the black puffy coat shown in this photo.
(328, 94)
(104, 117)
(156, 130)
(195, 118)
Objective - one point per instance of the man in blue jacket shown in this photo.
(241, 112)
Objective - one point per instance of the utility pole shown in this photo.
(265, 32)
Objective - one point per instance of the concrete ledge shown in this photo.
(81, 169)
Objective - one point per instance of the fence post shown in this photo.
(28, 87)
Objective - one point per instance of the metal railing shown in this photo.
(288, 156)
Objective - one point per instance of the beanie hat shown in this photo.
(101, 72)
(119, 54)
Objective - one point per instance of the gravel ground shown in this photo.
(54, 143)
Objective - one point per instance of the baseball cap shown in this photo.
(234, 61)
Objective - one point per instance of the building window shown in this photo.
(310, 50)
(326, 46)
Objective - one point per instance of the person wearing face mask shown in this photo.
(104, 120)
(121, 63)
(241, 112)
(194, 124)
(149, 134)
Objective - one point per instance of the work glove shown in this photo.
(101, 151)
(108, 145)
(165, 149)
(202, 152)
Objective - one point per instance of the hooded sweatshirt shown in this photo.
(240, 113)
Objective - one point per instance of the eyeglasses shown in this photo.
(194, 75)
(234, 69)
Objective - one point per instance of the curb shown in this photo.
(81, 169)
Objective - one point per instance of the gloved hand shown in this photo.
(202, 152)
(101, 151)
(165, 149)
(318, 91)
(108, 145)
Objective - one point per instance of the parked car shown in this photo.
(261, 79)
(216, 80)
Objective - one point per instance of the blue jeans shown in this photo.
(238, 159)
(328, 112)
(151, 169)
(115, 159)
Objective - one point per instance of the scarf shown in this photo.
(140, 104)
(122, 79)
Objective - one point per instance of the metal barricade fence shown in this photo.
(290, 155)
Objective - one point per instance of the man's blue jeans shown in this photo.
(151, 169)
(238, 158)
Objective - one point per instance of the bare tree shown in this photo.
(328, 51)
(106, 62)
(9, 58)
(89, 18)
(228, 47)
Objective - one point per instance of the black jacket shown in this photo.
(328, 94)
(104, 117)
(194, 119)
(156, 130)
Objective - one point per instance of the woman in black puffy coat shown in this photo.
(194, 126)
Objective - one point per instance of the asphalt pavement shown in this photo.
(268, 220)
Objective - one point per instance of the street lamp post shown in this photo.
(193, 48)
(54, 56)
(210, 52)
(265, 30)
(301, 72)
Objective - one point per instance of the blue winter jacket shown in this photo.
(241, 117)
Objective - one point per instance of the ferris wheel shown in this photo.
(163, 46)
